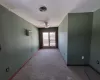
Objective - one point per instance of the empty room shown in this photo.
(49, 39)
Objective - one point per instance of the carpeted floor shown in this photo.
(48, 64)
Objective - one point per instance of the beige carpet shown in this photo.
(48, 64)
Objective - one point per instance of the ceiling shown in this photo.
(56, 9)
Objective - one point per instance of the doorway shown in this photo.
(48, 37)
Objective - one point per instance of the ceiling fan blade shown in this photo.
(45, 20)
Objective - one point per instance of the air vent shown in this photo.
(43, 8)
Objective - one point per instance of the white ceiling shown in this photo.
(56, 9)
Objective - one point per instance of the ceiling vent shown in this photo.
(43, 8)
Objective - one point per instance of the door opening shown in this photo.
(48, 37)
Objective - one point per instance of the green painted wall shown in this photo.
(62, 38)
(79, 37)
(95, 41)
(16, 46)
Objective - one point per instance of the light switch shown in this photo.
(82, 57)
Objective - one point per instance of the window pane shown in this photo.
(45, 39)
(52, 39)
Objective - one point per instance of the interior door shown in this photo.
(49, 39)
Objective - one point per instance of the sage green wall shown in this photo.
(95, 41)
(16, 46)
(79, 37)
(62, 38)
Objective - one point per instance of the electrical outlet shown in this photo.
(97, 62)
(69, 78)
(82, 57)
(7, 69)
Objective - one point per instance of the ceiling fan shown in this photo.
(44, 9)
(45, 22)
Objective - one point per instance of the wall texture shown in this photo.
(16, 46)
(79, 37)
(62, 38)
(95, 41)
